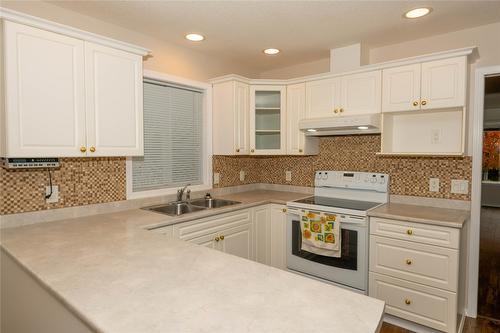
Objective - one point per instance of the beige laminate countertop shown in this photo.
(422, 214)
(117, 276)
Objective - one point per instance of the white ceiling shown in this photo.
(304, 30)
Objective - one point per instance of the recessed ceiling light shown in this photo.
(417, 12)
(311, 130)
(195, 37)
(363, 127)
(271, 51)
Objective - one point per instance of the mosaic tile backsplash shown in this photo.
(409, 175)
(81, 181)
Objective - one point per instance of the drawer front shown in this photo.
(197, 228)
(424, 305)
(416, 232)
(430, 265)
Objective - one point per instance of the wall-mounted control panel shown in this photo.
(30, 163)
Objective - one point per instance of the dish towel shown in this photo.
(320, 233)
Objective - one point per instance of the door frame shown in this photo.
(475, 215)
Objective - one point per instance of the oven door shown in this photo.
(351, 269)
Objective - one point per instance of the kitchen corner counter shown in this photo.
(422, 214)
(116, 276)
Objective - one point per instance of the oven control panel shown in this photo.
(352, 179)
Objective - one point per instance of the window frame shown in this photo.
(206, 137)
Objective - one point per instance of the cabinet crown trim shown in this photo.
(37, 22)
(466, 51)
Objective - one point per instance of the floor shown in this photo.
(478, 325)
(489, 264)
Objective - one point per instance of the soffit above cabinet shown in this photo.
(66, 30)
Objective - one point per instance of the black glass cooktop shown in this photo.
(339, 203)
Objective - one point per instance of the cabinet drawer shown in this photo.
(197, 228)
(428, 306)
(430, 265)
(416, 232)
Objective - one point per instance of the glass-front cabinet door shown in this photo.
(267, 119)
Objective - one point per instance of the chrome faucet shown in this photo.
(180, 192)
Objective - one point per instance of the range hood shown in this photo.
(341, 125)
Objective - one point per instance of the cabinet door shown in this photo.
(278, 236)
(237, 241)
(262, 219)
(241, 114)
(322, 97)
(296, 110)
(113, 101)
(45, 93)
(444, 83)
(267, 120)
(361, 93)
(401, 88)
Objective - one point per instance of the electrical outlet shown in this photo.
(434, 184)
(216, 178)
(54, 197)
(288, 176)
(459, 186)
(242, 175)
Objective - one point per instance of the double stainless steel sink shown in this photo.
(178, 208)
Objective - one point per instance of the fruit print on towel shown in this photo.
(320, 233)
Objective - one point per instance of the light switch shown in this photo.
(288, 176)
(434, 184)
(459, 186)
(216, 178)
(242, 175)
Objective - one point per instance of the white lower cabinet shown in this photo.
(414, 268)
(270, 242)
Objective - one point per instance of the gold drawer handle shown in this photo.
(415, 103)
(83, 149)
(92, 149)
(424, 102)
(341, 110)
(221, 237)
(408, 261)
(237, 150)
(336, 111)
(301, 151)
(409, 232)
(407, 301)
(217, 239)
(252, 151)
(284, 210)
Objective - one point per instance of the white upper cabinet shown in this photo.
(297, 143)
(443, 83)
(67, 97)
(361, 93)
(401, 88)
(346, 95)
(430, 85)
(231, 118)
(114, 101)
(44, 93)
(267, 120)
(322, 97)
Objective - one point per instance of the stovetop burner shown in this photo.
(339, 203)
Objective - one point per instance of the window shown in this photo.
(174, 147)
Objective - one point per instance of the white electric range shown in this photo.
(348, 195)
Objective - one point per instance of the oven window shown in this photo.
(349, 252)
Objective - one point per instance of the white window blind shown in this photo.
(172, 138)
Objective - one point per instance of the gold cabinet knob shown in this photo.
(238, 150)
(217, 238)
(336, 111)
(301, 151)
(409, 232)
(408, 261)
(415, 103)
(341, 110)
(92, 149)
(407, 301)
(221, 237)
(83, 149)
(284, 210)
(424, 102)
(252, 151)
